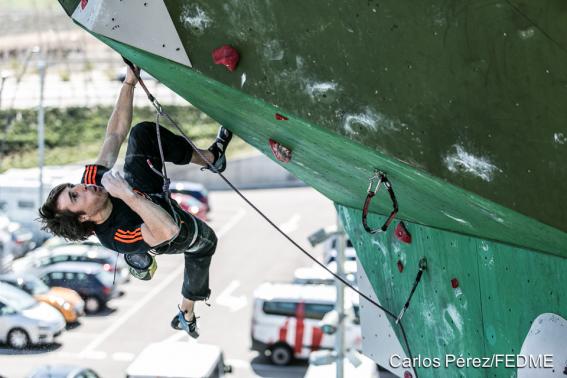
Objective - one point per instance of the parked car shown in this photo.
(193, 189)
(330, 250)
(169, 359)
(74, 252)
(6, 255)
(93, 283)
(66, 301)
(57, 241)
(63, 371)
(25, 321)
(17, 238)
(315, 275)
(191, 205)
(285, 320)
(21, 239)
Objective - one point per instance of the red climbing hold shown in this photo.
(455, 283)
(280, 117)
(84, 3)
(402, 233)
(400, 266)
(227, 56)
(280, 152)
(407, 374)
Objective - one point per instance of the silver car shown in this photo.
(25, 321)
(74, 252)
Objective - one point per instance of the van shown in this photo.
(286, 316)
(179, 360)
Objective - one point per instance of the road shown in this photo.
(249, 252)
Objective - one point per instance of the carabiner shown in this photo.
(380, 177)
(157, 106)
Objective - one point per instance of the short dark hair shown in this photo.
(63, 223)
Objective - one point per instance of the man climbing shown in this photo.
(133, 215)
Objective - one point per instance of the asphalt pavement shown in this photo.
(249, 252)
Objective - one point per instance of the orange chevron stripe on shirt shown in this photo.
(86, 174)
(93, 175)
(128, 236)
(89, 177)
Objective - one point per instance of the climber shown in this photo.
(133, 214)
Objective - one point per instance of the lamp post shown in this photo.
(340, 305)
(333, 322)
(41, 65)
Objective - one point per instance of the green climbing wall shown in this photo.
(470, 92)
(501, 290)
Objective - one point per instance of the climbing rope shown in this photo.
(162, 112)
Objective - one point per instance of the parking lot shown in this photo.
(249, 252)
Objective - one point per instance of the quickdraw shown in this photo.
(422, 268)
(379, 177)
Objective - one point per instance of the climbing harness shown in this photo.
(378, 178)
(378, 175)
(422, 268)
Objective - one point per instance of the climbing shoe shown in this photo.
(190, 326)
(218, 149)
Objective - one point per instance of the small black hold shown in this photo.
(112, 18)
(163, 45)
(565, 370)
(145, 4)
(177, 49)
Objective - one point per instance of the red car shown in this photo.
(191, 205)
(192, 189)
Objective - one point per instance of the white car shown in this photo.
(25, 321)
(179, 359)
(285, 320)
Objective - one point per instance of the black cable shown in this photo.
(345, 282)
